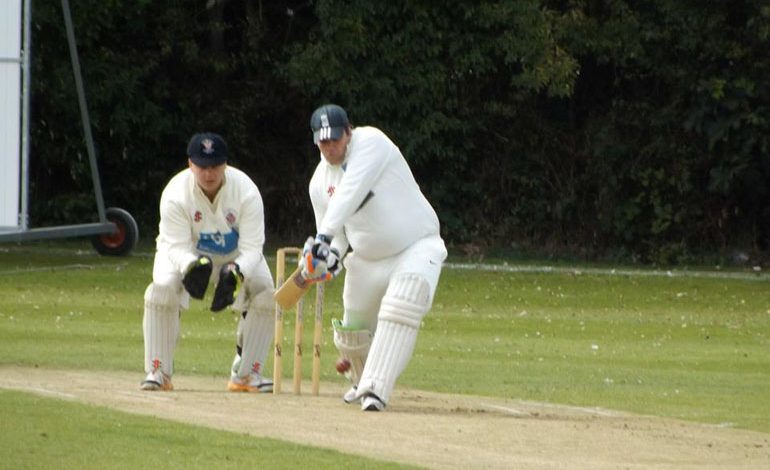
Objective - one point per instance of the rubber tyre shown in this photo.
(121, 242)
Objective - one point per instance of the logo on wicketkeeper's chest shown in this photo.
(218, 243)
(230, 217)
(330, 190)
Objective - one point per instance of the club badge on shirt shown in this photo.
(230, 217)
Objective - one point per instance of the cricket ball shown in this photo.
(343, 365)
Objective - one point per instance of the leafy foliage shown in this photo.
(636, 129)
(156, 73)
(672, 114)
(445, 83)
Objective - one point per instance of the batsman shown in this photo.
(368, 205)
(211, 230)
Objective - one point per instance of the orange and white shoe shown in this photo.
(253, 383)
(157, 381)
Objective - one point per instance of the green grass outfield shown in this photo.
(689, 344)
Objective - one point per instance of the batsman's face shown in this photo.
(209, 178)
(334, 150)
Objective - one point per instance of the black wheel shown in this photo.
(123, 240)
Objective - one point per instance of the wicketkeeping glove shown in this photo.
(196, 279)
(229, 284)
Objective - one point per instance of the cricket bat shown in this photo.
(292, 290)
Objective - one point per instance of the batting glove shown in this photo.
(321, 246)
(334, 262)
(316, 255)
(196, 279)
(230, 279)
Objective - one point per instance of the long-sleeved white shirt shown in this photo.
(371, 200)
(231, 228)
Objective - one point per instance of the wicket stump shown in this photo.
(280, 274)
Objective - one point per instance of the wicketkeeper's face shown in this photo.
(209, 178)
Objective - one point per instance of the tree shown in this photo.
(447, 83)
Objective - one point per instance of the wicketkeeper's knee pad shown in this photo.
(255, 335)
(256, 294)
(161, 326)
(163, 298)
(353, 345)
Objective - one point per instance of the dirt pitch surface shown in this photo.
(428, 429)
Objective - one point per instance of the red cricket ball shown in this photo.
(343, 365)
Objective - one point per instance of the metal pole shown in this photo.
(83, 109)
(25, 70)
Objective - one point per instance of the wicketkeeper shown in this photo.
(211, 230)
(365, 199)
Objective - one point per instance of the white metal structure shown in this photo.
(116, 232)
(10, 113)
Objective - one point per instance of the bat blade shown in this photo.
(292, 290)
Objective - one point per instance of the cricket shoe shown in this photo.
(254, 383)
(371, 403)
(350, 396)
(157, 381)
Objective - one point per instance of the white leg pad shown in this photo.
(161, 327)
(403, 306)
(353, 345)
(255, 335)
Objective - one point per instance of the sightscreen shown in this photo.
(10, 112)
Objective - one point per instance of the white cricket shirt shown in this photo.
(231, 228)
(371, 200)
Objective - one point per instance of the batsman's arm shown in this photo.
(340, 243)
(361, 174)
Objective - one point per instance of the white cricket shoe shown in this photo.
(254, 383)
(350, 396)
(155, 381)
(371, 403)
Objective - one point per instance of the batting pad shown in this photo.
(353, 345)
(406, 300)
(255, 335)
(391, 351)
(161, 327)
(401, 311)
